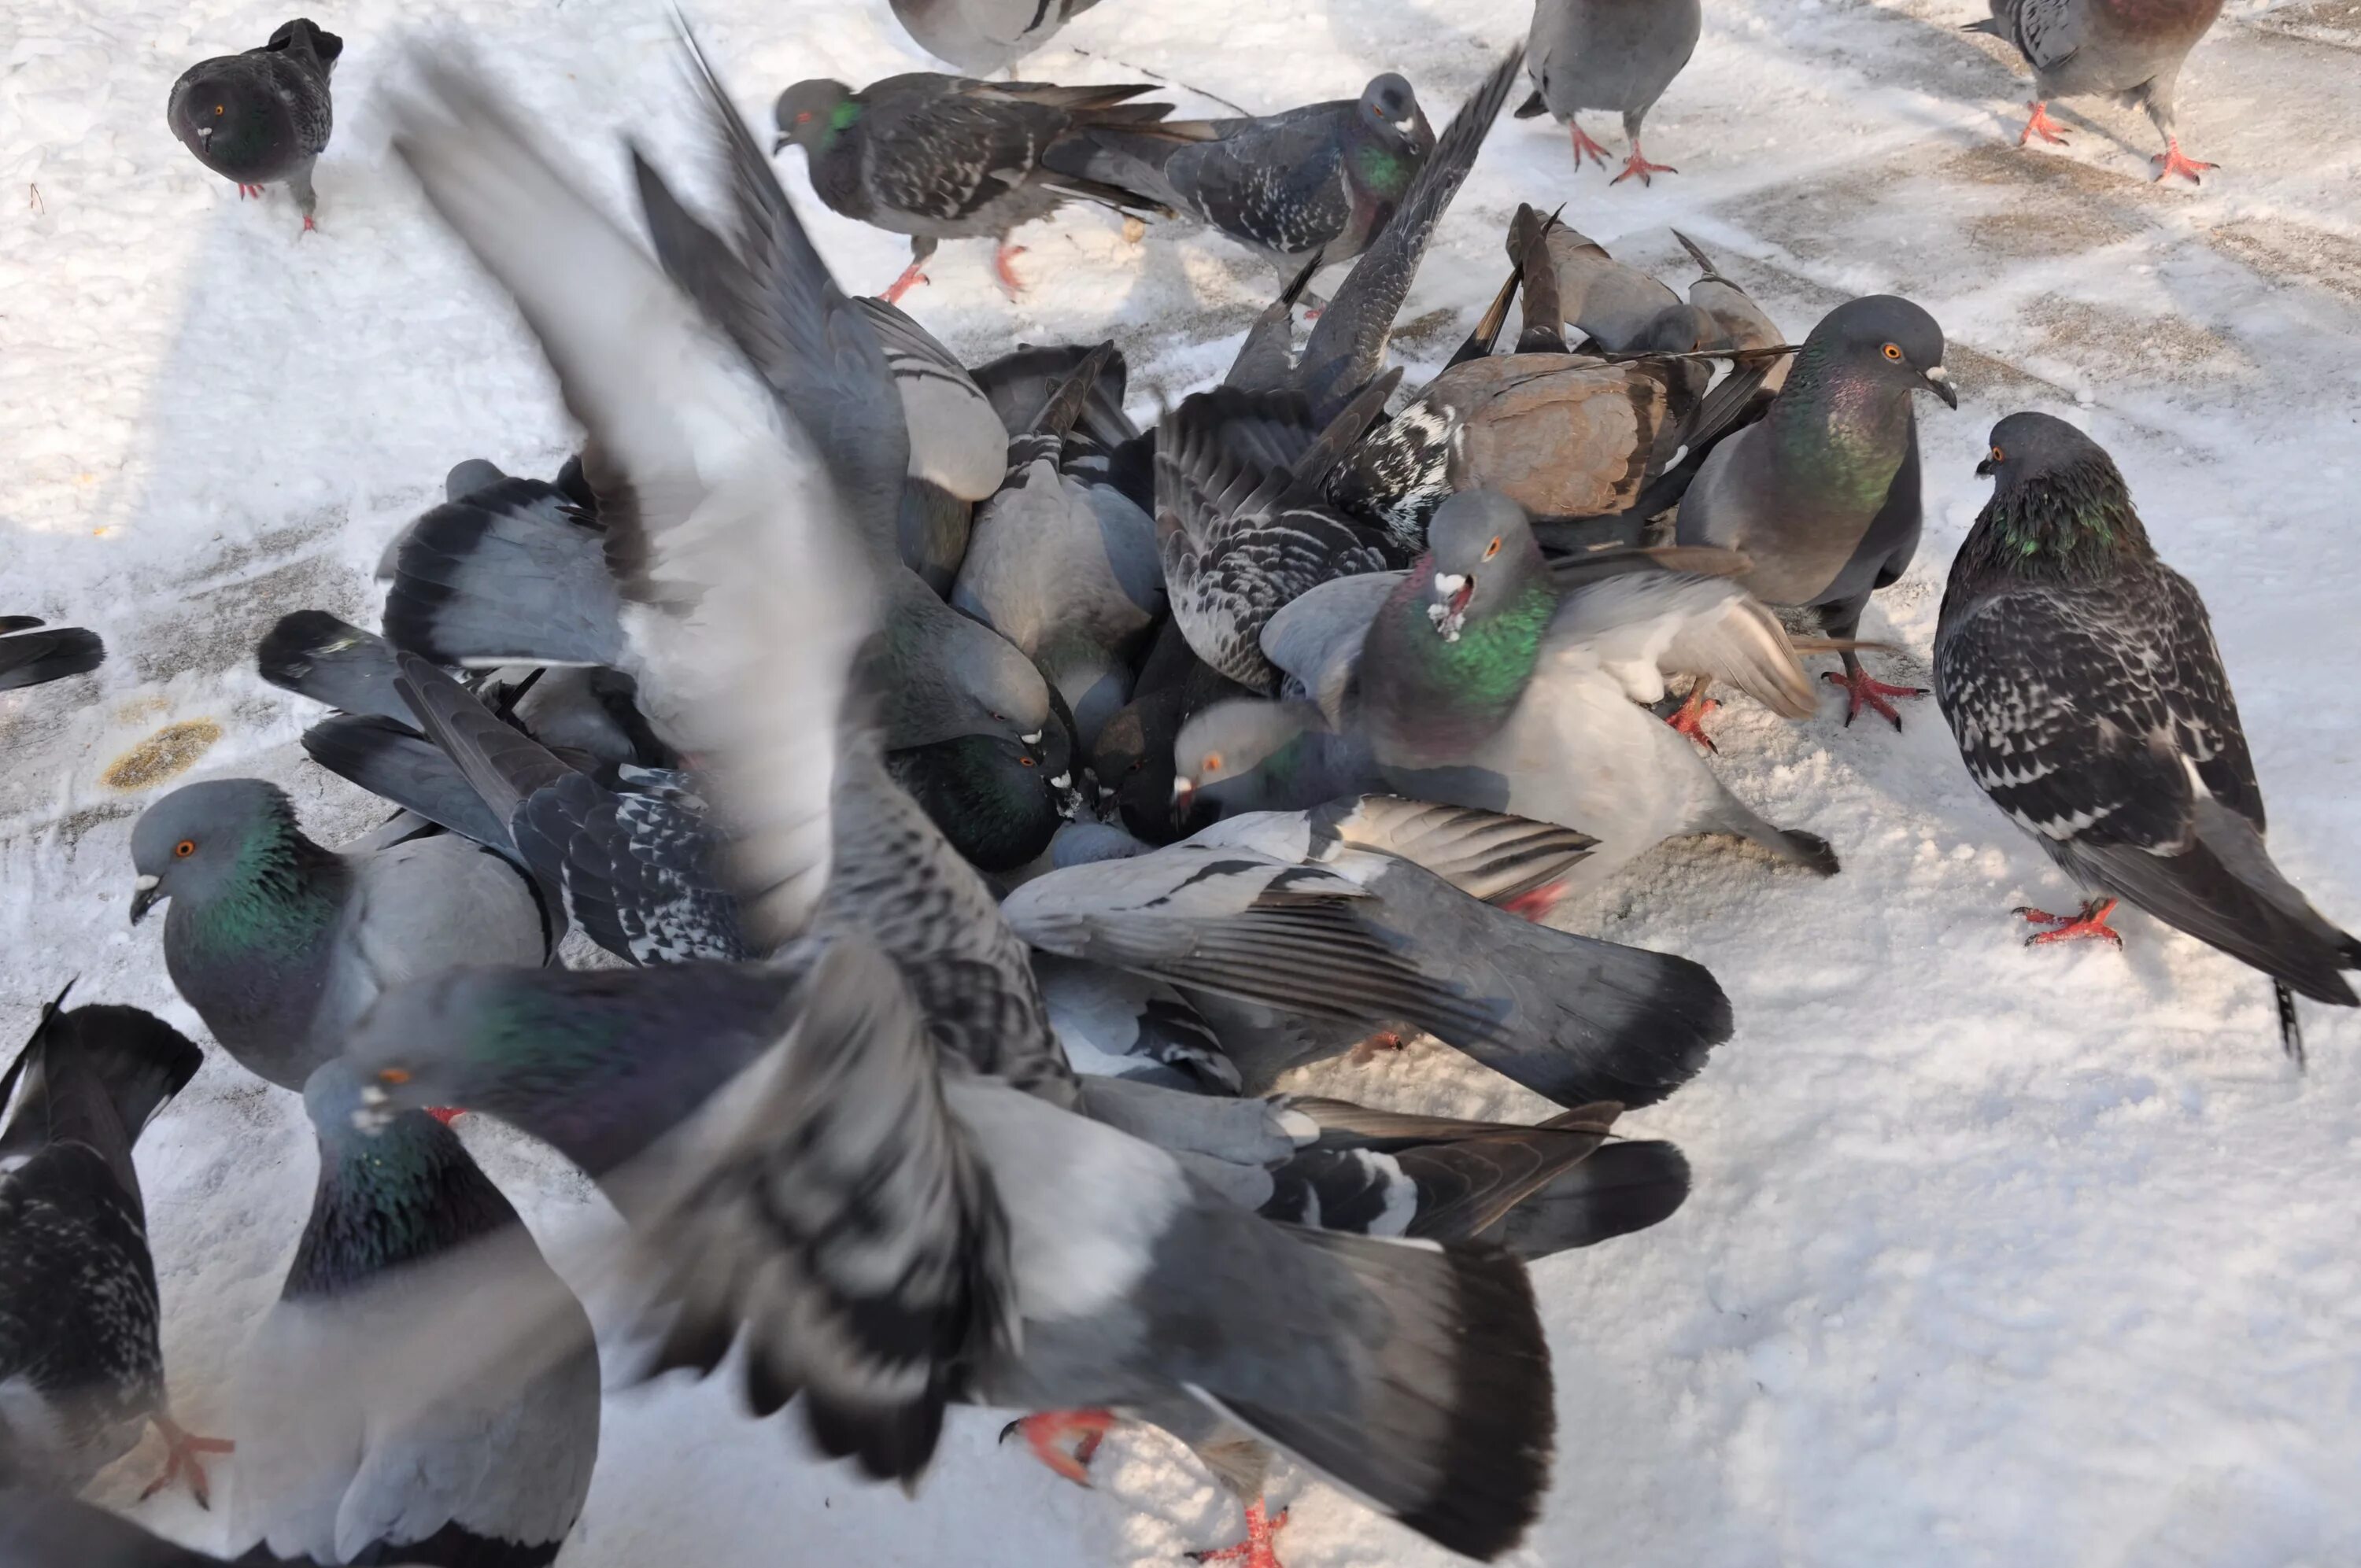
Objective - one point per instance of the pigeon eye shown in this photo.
(803, 117)
(1025, 761)
(395, 1075)
(1492, 549)
(1998, 455)
(217, 109)
(1894, 352)
(1213, 763)
(184, 849)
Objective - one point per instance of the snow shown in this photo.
(1995, 1257)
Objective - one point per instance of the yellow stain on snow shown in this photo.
(170, 751)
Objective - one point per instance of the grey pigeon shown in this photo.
(1734, 320)
(261, 117)
(281, 945)
(1823, 494)
(1484, 681)
(980, 36)
(1283, 909)
(2133, 53)
(2081, 678)
(1316, 181)
(959, 446)
(1119, 1024)
(79, 1364)
(859, 1112)
(32, 654)
(1609, 54)
(1065, 568)
(942, 158)
(1249, 755)
(376, 1429)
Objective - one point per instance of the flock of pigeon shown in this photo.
(978, 800)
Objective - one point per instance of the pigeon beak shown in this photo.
(779, 144)
(1939, 381)
(1984, 470)
(144, 896)
(1454, 590)
(205, 134)
(1184, 790)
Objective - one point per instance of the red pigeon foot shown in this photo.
(184, 1461)
(1375, 1045)
(2042, 126)
(910, 277)
(1533, 903)
(1862, 691)
(1640, 166)
(446, 1114)
(1046, 1435)
(1258, 1549)
(2092, 922)
(1584, 147)
(2172, 161)
(1690, 720)
(1007, 274)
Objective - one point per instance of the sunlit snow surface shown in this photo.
(1995, 1257)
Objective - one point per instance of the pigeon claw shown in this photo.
(2090, 922)
(2041, 125)
(1638, 165)
(1585, 147)
(1047, 1433)
(1259, 1548)
(1690, 720)
(446, 1114)
(184, 1461)
(1862, 690)
(911, 277)
(1379, 1043)
(246, 191)
(2172, 161)
(1005, 273)
(309, 227)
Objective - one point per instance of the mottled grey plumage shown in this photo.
(980, 36)
(1484, 681)
(1823, 493)
(1609, 54)
(2082, 681)
(813, 1128)
(82, 1374)
(2130, 50)
(281, 945)
(372, 1425)
(261, 117)
(1322, 179)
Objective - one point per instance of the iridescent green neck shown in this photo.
(840, 119)
(1380, 169)
(398, 1196)
(1485, 668)
(2076, 525)
(279, 895)
(1841, 436)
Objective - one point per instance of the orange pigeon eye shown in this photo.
(185, 848)
(1212, 764)
(1894, 352)
(1027, 761)
(217, 108)
(1998, 455)
(395, 1075)
(1492, 549)
(804, 119)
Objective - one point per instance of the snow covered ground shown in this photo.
(1995, 1257)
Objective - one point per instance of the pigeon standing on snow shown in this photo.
(1321, 181)
(2080, 677)
(281, 945)
(80, 1371)
(381, 1431)
(942, 158)
(261, 117)
(32, 654)
(1822, 493)
(2132, 50)
(1609, 54)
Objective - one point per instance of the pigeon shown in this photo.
(32, 654)
(1119, 1024)
(959, 446)
(261, 117)
(2133, 53)
(885, 1100)
(1286, 909)
(1066, 569)
(1609, 54)
(1822, 494)
(1733, 321)
(281, 945)
(2081, 678)
(1019, 384)
(980, 36)
(1316, 181)
(381, 1431)
(1611, 303)
(942, 158)
(1249, 755)
(1132, 759)
(82, 1376)
(1484, 680)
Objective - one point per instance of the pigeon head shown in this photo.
(1481, 556)
(232, 119)
(1229, 741)
(997, 801)
(1388, 106)
(1677, 329)
(2032, 448)
(466, 478)
(205, 841)
(2058, 499)
(1888, 340)
(809, 114)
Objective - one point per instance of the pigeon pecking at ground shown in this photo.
(82, 1374)
(2081, 678)
(1320, 182)
(1823, 493)
(1609, 54)
(942, 158)
(281, 945)
(261, 117)
(2130, 50)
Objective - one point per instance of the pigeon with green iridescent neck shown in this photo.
(1822, 494)
(1486, 680)
(81, 1371)
(373, 1426)
(2081, 678)
(281, 945)
(1320, 181)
